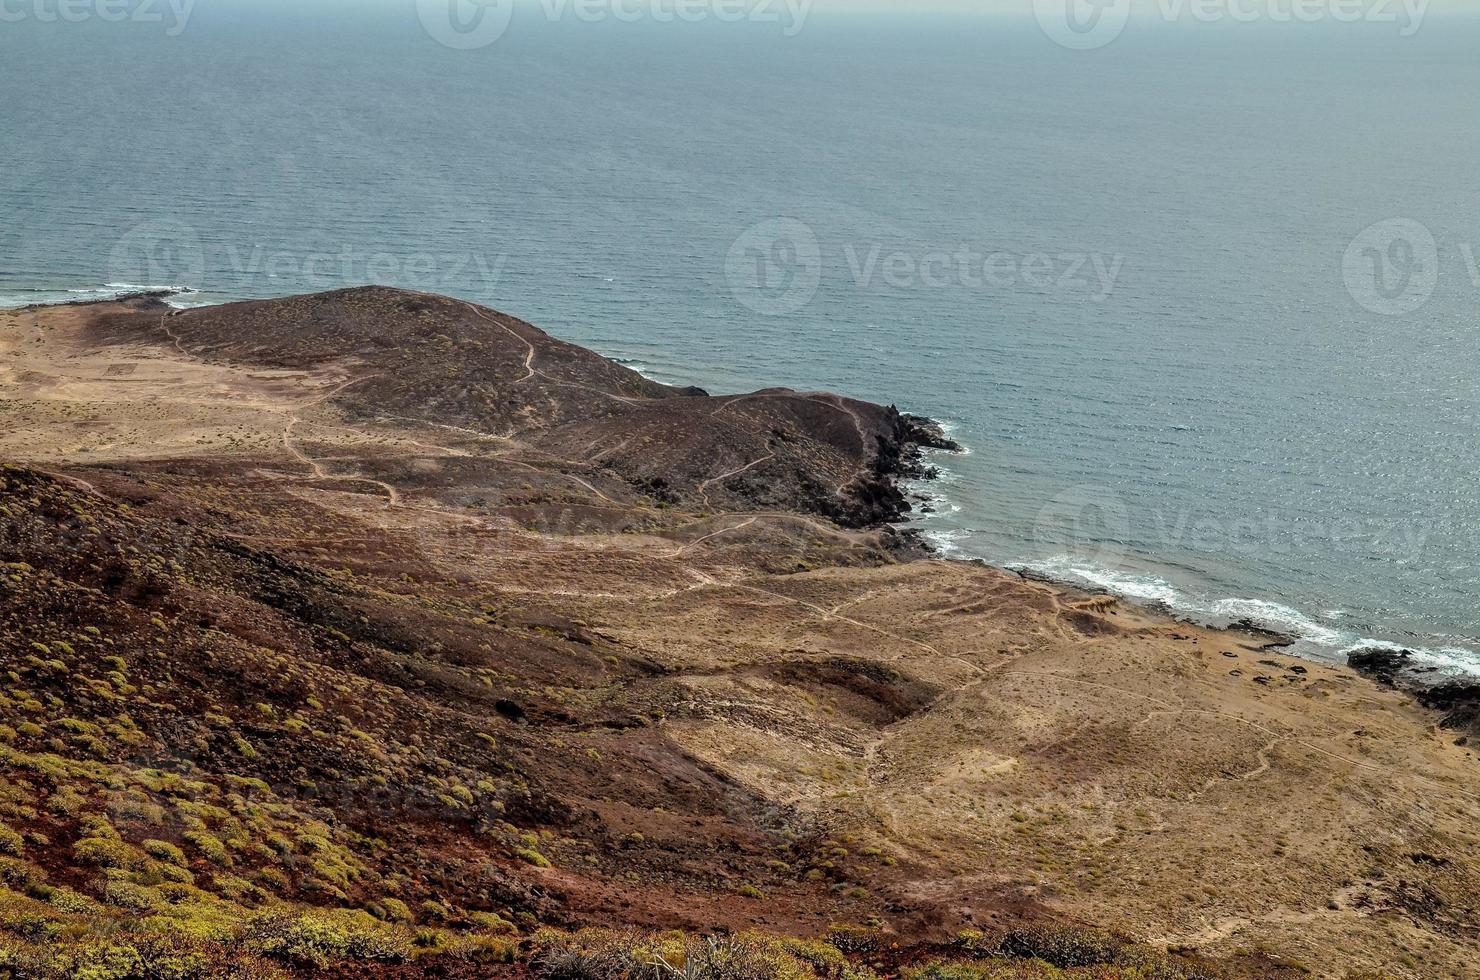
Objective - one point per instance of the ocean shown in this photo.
(1202, 300)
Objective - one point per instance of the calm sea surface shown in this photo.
(1142, 283)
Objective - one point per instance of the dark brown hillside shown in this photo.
(413, 357)
(399, 720)
(430, 357)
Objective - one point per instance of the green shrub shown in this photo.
(533, 857)
(491, 922)
(602, 955)
(66, 900)
(113, 961)
(210, 847)
(483, 949)
(11, 843)
(319, 938)
(108, 852)
(134, 898)
(164, 851)
(396, 910)
(19, 875)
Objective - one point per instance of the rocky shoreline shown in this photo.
(1458, 701)
(157, 295)
(877, 497)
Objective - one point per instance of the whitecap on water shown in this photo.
(1313, 639)
(17, 298)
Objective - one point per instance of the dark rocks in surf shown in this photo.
(1391, 667)
(876, 498)
(1460, 703)
(149, 297)
(1383, 664)
(1277, 640)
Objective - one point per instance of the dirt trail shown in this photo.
(735, 472)
(529, 371)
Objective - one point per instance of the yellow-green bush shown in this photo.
(108, 852)
(11, 843)
(164, 851)
(209, 846)
(603, 955)
(533, 857)
(318, 938)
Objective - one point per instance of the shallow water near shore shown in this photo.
(1173, 395)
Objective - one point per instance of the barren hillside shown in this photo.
(376, 633)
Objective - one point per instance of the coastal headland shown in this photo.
(376, 633)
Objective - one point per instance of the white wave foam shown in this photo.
(1072, 571)
(945, 541)
(1447, 661)
(1281, 619)
(1365, 644)
(950, 430)
(1312, 638)
(930, 492)
(631, 364)
(926, 492)
(22, 297)
(1152, 588)
(1456, 661)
